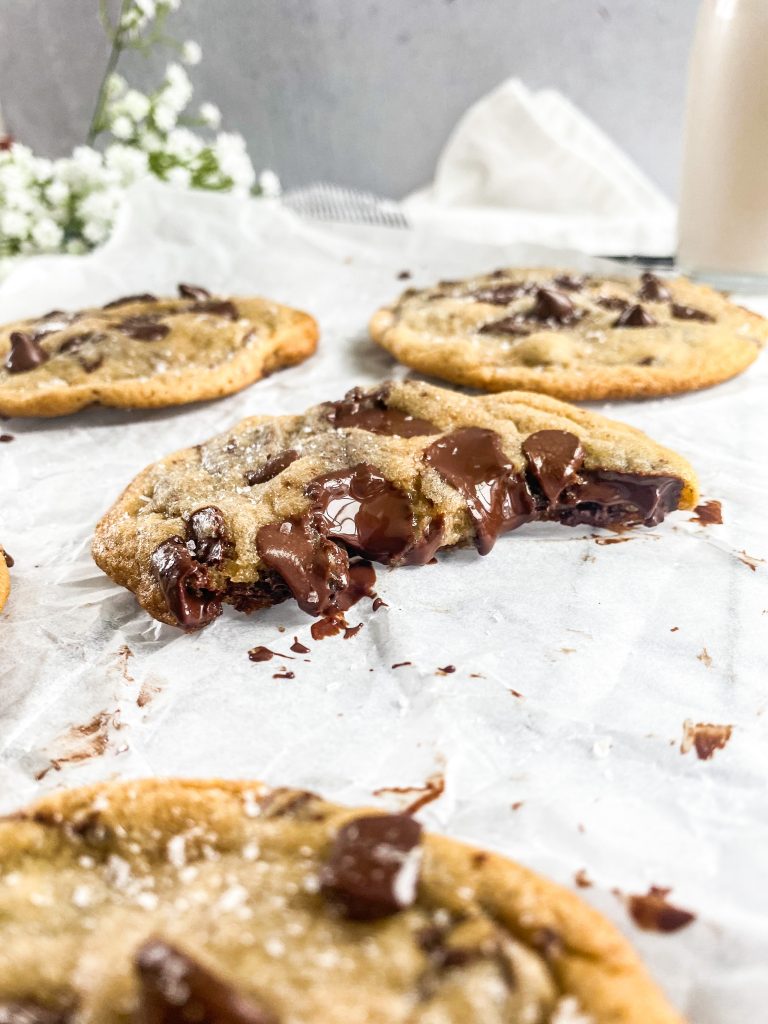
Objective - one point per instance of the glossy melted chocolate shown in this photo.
(369, 411)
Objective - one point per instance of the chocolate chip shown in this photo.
(613, 302)
(313, 568)
(269, 589)
(471, 460)
(76, 341)
(26, 353)
(175, 989)
(653, 912)
(502, 294)
(272, 468)
(217, 307)
(404, 275)
(361, 508)
(554, 456)
(372, 870)
(552, 306)
(571, 283)
(185, 585)
(27, 1012)
(508, 325)
(689, 313)
(194, 291)
(370, 411)
(207, 530)
(144, 328)
(7, 438)
(604, 498)
(635, 316)
(652, 289)
(127, 299)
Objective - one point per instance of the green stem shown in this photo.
(114, 56)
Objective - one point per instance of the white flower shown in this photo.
(101, 205)
(134, 104)
(57, 193)
(164, 117)
(147, 8)
(233, 159)
(22, 199)
(13, 176)
(14, 224)
(150, 141)
(116, 86)
(128, 162)
(211, 114)
(177, 88)
(179, 176)
(183, 143)
(42, 168)
(191, 52)
(47, 234)
(96, 231)
(269, 183)
(122, 127)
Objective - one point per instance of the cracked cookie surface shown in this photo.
(145, 352)
(283, 506)
(174, 901)
(575, 336)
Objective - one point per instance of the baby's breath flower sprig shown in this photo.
(70, 204)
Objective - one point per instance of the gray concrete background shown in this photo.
(365, 92)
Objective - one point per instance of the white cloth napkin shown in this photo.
(530, 166)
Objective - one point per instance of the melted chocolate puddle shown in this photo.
(709, 513)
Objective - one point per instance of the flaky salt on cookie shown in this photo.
(143, 352)
(575, 336)
(279, 505)
(180, 901)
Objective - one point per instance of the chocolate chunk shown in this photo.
(175, 989)
(613, 302)
(508, 325)
(553, 307)
(7, 438)
(361, 508)
(217, 307)
(471, 460)
(26, 353)
(144, 328)
(653, 912)
(76, 341)
(27, 1012)
(207, 530)
(194, 291)
(653, 289)
(604, 498)
(554, 456)
(570, 283)
(689, 313)
(634, 316)
(272, 468)
(127, 299)
(314, 569)
(369, 411)
(268, 589)
(373, 867)
(502, 294)
(8, 560)
(185, 585)
(362, 580)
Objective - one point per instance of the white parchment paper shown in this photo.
(558, 735)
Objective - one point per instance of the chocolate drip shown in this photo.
(26, 353)
(363, 510)
(634, 316)
(175, 989)
(554, 457)
(372, 870)
(314, 569)
(653, 289)
(272, 468)
(193, 291)
(207, 530)
(369, 411)
(185, 585)
(471, 460)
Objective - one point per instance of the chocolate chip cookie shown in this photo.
(142, 352)
(5, 577)
(288, 506)
(575, 336)
(180, 901)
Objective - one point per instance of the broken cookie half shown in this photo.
(287, 506)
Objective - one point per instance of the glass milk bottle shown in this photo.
(723, 231)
